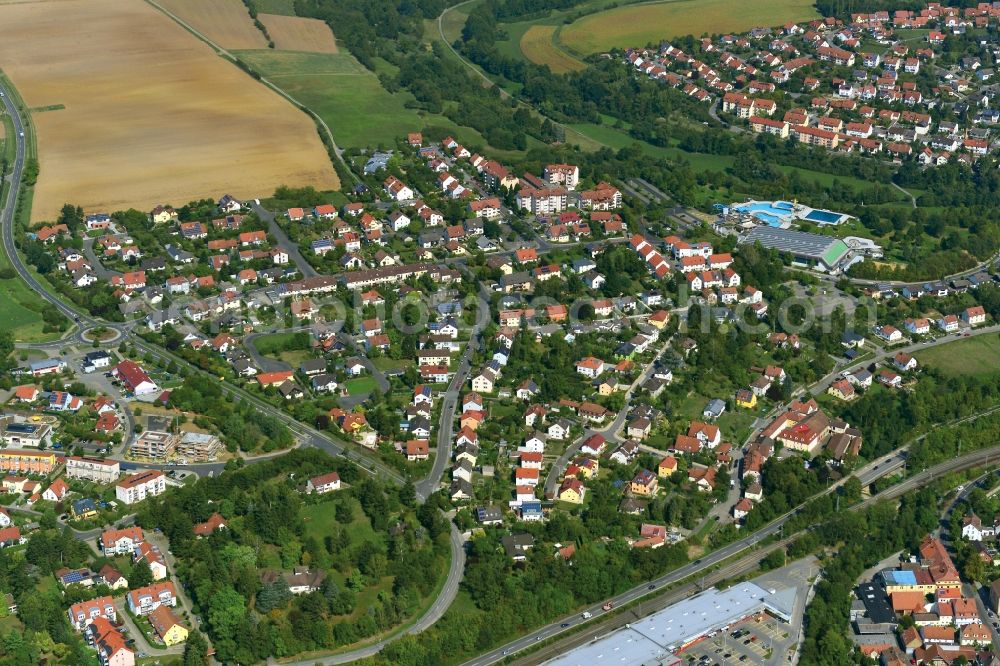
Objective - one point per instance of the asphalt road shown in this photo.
(307, 435)
(882, 353)
(446, 424)
(871, 472)
(284, 242)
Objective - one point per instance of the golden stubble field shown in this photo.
(294, 33)
(152, 114)
(225, 22)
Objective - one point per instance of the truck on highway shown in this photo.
(608, 606)
(587, 615)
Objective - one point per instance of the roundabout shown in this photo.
(103, 335)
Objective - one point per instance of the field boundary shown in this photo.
(542, 41)
(666, 32)
(336, 153)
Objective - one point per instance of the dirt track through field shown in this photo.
(294, 33)
(152, 114)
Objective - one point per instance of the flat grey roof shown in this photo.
(799, 243)
(652, 639)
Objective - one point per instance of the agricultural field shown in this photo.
(638, 25)
(283, 7)
(537, 46)
(152, 115)
(225, 22)
(291, 33)
(970, 356)
(360, 112)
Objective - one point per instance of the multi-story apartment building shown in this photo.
(92, 469)
(139, 486)
(24, 461)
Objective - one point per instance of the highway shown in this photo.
(875, 470)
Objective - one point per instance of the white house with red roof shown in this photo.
(590, 367)
(974, 316)
(134, 378)
(324, 483)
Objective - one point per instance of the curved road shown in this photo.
(307, 435)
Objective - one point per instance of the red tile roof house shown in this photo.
(56, 491)
(83, 613)
(274, 378)
(651, 536)
(974, 316)
(109, 643)
(145, 600)
(214, 522)
(134, 378)
(324, 483)
(418, 449)
(121, 542)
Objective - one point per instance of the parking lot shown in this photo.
(758, 640)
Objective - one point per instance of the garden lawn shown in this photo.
(361, 385)
(268, 345)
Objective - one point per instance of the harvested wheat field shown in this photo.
(151, 114)
(294, 33)
(225, 22)
(537, 46)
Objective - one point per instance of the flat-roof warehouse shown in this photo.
(826, 252)
(655, 640)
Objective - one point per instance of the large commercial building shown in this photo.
(657, 639)
(16, 431)
(823, 252)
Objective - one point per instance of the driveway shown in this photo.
(142, 644)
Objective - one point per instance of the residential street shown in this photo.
(284, 242)
(883, 353)
(610, 431)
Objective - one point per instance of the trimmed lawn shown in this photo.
(320, 519)
(384, 363)
(649, 23)
(970, 356)
(269, 345)
(361, 385)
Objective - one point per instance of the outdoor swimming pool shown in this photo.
(774, 213)
(783, 213)
(823, 217)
